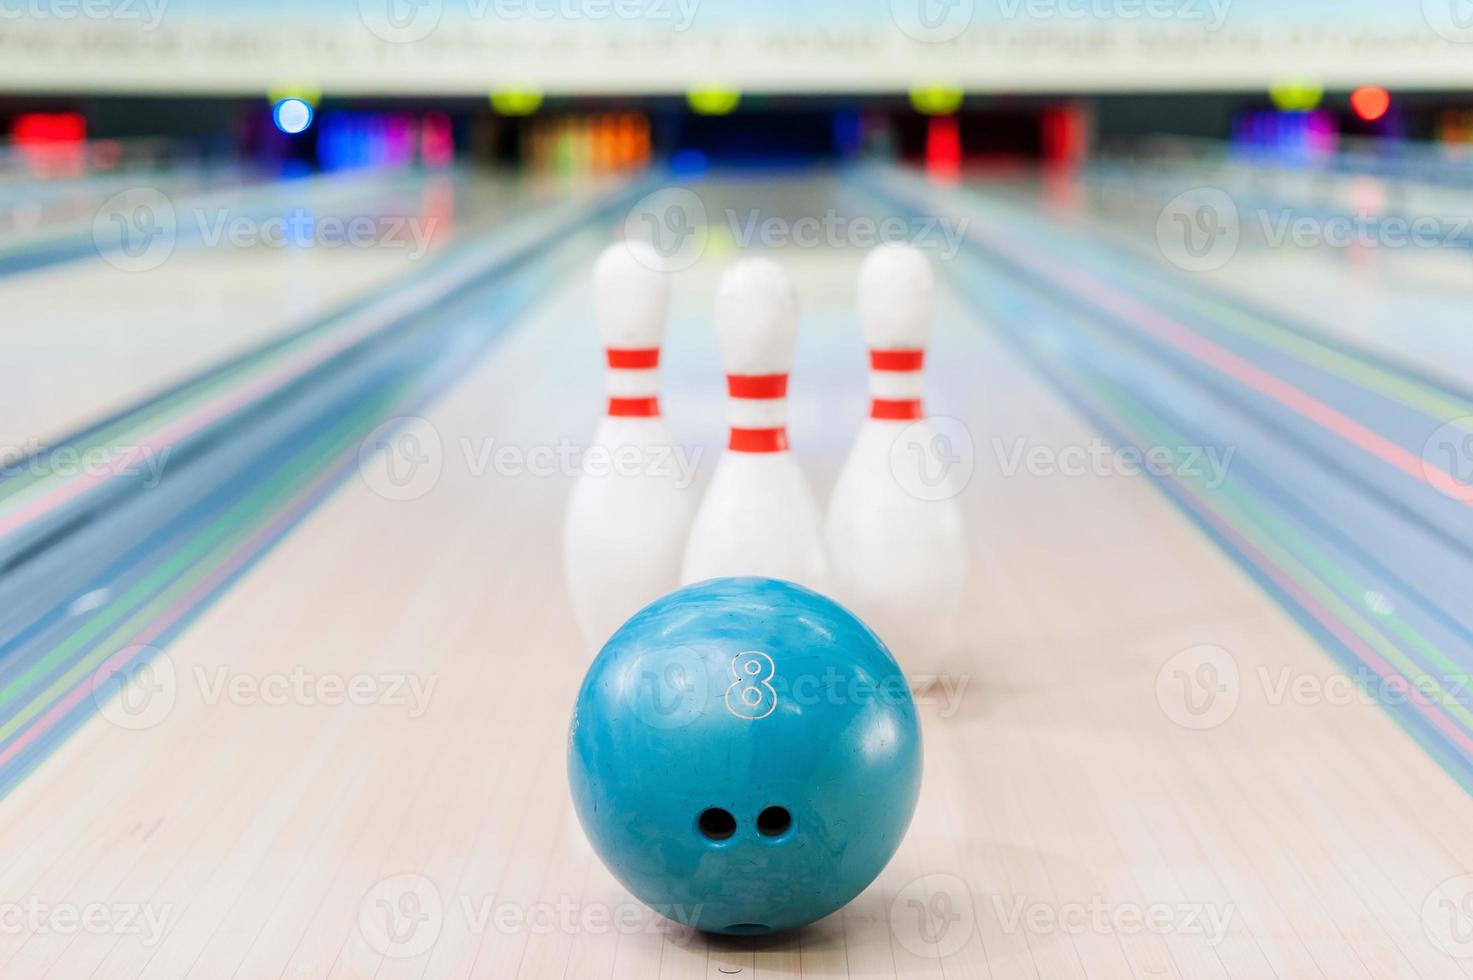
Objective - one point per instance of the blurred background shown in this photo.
(568, 85)
(297, 367)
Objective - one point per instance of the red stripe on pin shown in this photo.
(897, 360)
(903, 410)
(757, 386)
(758, 440)
(634, 407)
(634, 358)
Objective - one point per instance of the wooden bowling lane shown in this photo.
(275, 831)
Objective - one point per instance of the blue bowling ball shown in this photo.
(744, 756)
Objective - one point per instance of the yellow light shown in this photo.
(713, 101)
(936, 100)
(1296, 94)
(516, 102)
(309, 94)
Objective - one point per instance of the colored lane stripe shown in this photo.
(1226, 362)
(1281, 543)
(1400, 383)
(170, 583)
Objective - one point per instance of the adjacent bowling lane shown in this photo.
(266, 817)
(227, 272)
(1380, 263)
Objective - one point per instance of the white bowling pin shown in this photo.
(897, 543)
(629, 514)
(758, 516)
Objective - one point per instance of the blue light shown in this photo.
(292, 116)
(689, 163)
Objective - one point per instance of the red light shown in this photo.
(51, 141)
(943, 146)
(48, 127)
(1370, 102)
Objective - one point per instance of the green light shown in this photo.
(516, 102)
(713, 101)
(936, 100)
(310, 94)
(1296, 94)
